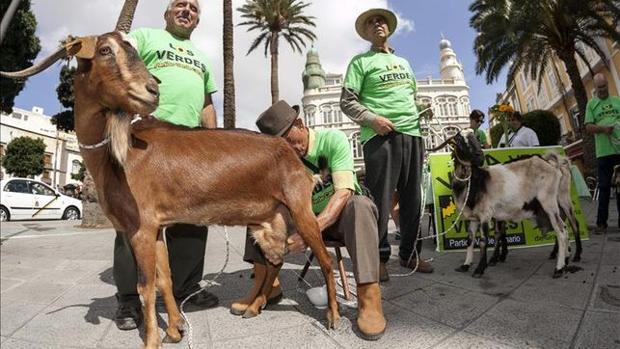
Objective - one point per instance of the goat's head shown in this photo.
(110, 69)
(114, 72)
(467, 148)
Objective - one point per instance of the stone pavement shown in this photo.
(57, 292)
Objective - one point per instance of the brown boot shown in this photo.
(384, 276)
(238, 307)
(423, 266)
(370, 318)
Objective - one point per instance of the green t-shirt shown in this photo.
(386, 86)
(334, 146)
(605, 113)
(185, 74)
(482, 137)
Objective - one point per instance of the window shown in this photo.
(523, 80)
(326, 111)
(542, 94)
(531, 104)
(356, 146)
(442, 107)
(17, 116)
(48, 160)
(466, 106)
(75, 166)
(452, 109)
(309, 115)
(553, 82)
(41, 189)
(17, 186)
(337, 114)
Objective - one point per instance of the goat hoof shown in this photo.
(333, 323)
(577, 259)
(493, 262)
(502, 257)
(249, 314)
(557, 273)
(572, 268)
(172, 339)
(463, 268)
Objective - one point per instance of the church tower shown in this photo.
(314, 75)
(449, 66)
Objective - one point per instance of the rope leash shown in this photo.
(208, 284)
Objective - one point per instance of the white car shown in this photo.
(24, 198)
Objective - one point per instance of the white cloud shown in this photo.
(336, 42)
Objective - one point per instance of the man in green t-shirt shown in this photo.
(379, 94)
(476, 118)
(343, 214)
(187, 83)
(603, 120)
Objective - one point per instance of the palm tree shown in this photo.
(229, 78)
(527, 34)
(275, 18)
(126, 16)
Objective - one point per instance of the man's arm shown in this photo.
(358, 113)
(332, 211)
(326, 218)
(592, 129)
(209, 119)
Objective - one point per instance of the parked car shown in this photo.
(24, 198)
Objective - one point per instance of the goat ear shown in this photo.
(83, 47)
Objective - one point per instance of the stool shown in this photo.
(336, 245)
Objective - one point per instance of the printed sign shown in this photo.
(518, 234)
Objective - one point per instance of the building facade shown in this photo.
(62, 154)
(448, 95)
(556, 93)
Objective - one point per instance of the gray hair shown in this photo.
(171, 3)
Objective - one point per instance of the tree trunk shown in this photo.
(275, 91)
(229, 78)
(92, 215)
(581, 96)
(126, 16)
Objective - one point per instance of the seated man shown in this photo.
(343, 213)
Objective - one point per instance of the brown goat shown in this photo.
(154, 174)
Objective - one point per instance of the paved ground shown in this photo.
(57, 292)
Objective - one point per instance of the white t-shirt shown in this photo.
(524, 137)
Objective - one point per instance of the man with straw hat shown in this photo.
(379, 94)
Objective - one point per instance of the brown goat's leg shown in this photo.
(261, 299)
(144, 247)
(164, 284)
(308, 228)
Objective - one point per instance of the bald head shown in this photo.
(600, 86)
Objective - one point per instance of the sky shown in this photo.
(421, 24)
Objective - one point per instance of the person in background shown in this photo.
(603, 121)
(476, 118)
(519, 135)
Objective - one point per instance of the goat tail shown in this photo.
(118, 130)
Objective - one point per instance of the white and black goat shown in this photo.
(536, 188)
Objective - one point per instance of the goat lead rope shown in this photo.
(209, 283)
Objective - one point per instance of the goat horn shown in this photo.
(36, 68)
(441, 145)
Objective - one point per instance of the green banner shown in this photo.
(519, 234)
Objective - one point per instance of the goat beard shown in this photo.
(118, 130)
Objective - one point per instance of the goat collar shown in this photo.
(95, 146)
(135, 119)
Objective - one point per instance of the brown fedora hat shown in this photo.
(278, 118)
(390, 19)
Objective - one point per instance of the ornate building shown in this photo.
(448, 95)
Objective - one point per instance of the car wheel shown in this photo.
(71, 214)
(4, 214)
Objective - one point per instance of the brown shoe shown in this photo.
(423, 266)
(239, 307)
(383, 273)
(370, 319)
